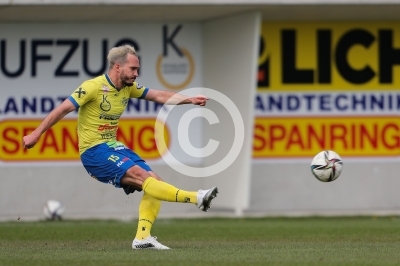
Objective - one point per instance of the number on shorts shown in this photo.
(113, 158)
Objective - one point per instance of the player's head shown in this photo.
(123, 60)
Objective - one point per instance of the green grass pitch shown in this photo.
(213, 241)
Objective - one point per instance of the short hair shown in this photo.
(119, 54)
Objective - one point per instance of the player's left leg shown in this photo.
(133, 172)
(137, 176)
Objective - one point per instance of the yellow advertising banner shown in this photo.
(60, 143)
(329, 86)
(306, 136)
(329, 56)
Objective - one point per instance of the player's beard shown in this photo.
(126, 80)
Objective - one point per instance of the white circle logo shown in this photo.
(212, 145)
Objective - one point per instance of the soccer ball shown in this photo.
(326, 166)
(53, 210)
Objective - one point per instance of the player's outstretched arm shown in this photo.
(62, 110)
(174, 98)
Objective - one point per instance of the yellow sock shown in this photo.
(166, 192)
(148, 211)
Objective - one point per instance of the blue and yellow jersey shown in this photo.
(100, 107)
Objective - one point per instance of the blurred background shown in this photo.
(305, 75)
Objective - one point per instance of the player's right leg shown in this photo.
(148, 212)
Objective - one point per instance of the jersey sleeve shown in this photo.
(85, 93)
(138, 91)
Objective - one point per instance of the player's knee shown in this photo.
(155, 175)
(137, 172)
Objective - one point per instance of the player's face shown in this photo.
(129, 71)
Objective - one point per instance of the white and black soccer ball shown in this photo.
(53, 210)
(327, 166)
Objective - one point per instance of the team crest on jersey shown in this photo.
(105, 105)
(138, 86)
(124, 101)
(80, 92)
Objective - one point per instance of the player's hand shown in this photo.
(200, 100)
(29, 141)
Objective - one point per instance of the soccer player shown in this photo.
(101, 101)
